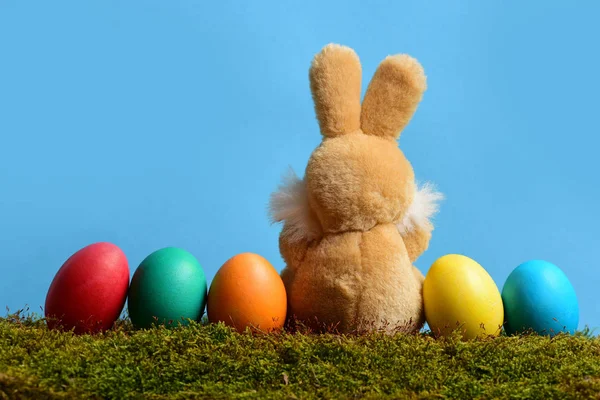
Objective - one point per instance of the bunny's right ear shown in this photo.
(335, 83)
(393, 96)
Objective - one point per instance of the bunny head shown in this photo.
(357, 177)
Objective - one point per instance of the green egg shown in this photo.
(168, 287)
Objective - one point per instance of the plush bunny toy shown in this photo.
(358, 220)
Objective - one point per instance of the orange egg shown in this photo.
(247, 291)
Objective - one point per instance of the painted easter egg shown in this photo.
(459, 294)
(248, 292)
(539, 297)
(168, 288)
(89, 290)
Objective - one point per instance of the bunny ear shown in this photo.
(335, 83)
(392, 96)
(289, 204)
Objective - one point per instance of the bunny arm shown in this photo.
(416, 242)
(289, 204)
(416, 226)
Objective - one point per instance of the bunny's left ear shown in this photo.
(392, 96)
(335, 83)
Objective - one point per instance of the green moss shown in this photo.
(211, 361)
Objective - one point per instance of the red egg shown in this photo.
(89, 291)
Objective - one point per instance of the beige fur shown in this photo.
(335, 83)
(358, 220)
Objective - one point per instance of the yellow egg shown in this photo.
(459, 294)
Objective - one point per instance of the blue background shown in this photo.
(153, 124)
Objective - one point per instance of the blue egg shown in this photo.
(538, 296)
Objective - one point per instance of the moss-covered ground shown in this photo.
(212, 361)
